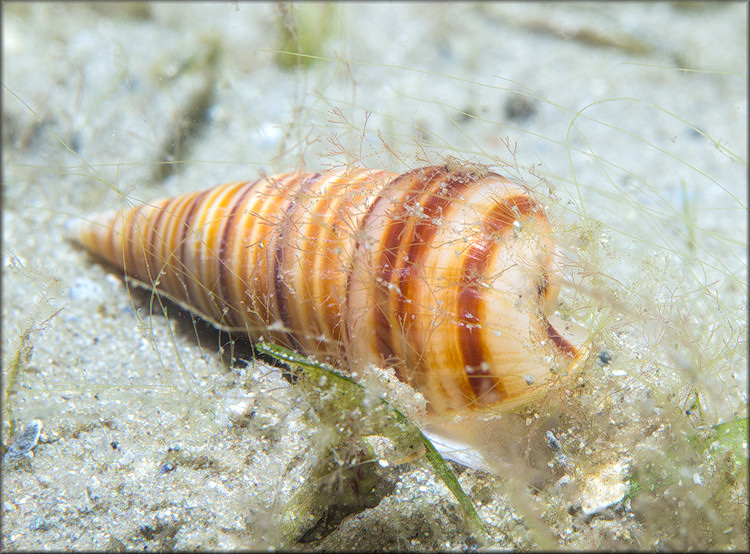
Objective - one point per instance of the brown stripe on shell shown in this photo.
(212, 224)
(349, 220)
(156, 222)
(486, 388)
(418, 182)
(173, 279)
(137, 253)
(197, 269)
(247, 289)
(439, 200)
(361, 232)
(281, 286)
(315, 248)
(325, 291)
(152, 242)
(146, 243)
(253, 282)
(280, 201)
(189, 243)
(227, 241)
(123, 238)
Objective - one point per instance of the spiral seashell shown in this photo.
(446, 274)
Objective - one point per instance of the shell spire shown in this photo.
(446, 274)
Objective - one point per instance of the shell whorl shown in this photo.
(447, 275)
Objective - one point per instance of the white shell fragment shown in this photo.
(604, 488)
(25, 442)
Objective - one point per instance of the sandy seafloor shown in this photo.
(142, 447)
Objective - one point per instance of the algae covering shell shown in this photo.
(449, 275)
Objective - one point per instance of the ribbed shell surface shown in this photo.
(445, 274)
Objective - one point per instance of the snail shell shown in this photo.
(446, 274)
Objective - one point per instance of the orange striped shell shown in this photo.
(447, 275)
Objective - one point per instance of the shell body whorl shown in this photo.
(448, 275)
